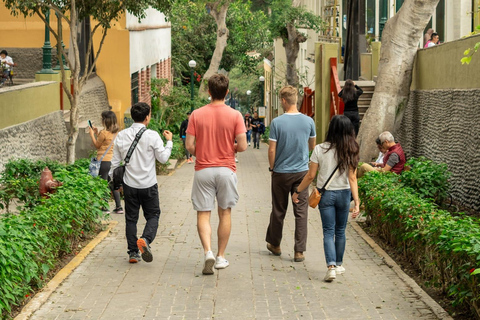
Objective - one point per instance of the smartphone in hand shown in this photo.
(90, 124)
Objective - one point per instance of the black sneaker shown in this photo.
(134, 257)
(118, 210)
(144, 248)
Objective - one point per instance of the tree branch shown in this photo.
(90, 71)
(57, 9)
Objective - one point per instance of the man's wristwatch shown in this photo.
(296, 191)
(270, 169)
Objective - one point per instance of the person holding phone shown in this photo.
(103, 141)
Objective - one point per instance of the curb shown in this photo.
(432, 304)
(177, 167)
(41, 297)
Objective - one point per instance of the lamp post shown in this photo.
(262, 82)
(47, 47)
(248, 100)
(192, 64)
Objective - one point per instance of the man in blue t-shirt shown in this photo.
(292, 135)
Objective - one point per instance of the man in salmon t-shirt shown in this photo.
(211, 134)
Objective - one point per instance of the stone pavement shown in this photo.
(257, 285)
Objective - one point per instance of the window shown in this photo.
(134, 87)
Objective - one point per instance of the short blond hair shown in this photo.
(289, 93)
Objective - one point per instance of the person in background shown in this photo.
(350, 94)
(248, 125)
(427, 37)
(183, 135)
(381, 153)
(393, 160)
(6, 63)
(103, 140)
(256, 126)
(434, 41)
(339, 149)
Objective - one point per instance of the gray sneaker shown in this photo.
(209, 263)
(134, 257)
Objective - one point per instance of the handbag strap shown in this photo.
(134, 144)
(329, 180)
(109, 146)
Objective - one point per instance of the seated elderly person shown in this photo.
(6, 63)
(393, 159)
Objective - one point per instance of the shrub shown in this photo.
(445, 248)
(429, 179)
(266, 135)
(32, 240)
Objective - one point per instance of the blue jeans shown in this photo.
(249, 136)
(334, 208)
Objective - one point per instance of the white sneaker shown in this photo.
(331, 275)
(236, 160)
(209, 262)
(221, 263)
(339, 270)
(249, 144)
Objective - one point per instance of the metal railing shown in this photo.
(336, 103)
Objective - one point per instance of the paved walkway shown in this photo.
(257, 285)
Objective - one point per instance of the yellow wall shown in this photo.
(113, 65)
(439, 67)
(29, 101)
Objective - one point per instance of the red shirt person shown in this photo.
(211, 135)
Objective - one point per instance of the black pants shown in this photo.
(148, 200)
(355, 118)
(256, 139)
(104, 169)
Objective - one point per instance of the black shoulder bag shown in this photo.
(119, 172)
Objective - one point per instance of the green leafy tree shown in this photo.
(468, 54)
(286, 19)
(72, 12)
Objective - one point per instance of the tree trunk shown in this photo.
(219, 13)
(73, 132)
(292, 47)
(400, 40)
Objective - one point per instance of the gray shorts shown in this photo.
(219, 182)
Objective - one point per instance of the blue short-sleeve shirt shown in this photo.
(291, 132)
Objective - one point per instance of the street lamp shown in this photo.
(262, 81)
(248, 100)
(192, 64)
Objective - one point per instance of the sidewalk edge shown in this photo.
(41, 297)
(432, 304)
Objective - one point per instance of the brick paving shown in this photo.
(257, 285)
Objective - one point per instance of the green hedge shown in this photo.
(32, 241)
(444, 247)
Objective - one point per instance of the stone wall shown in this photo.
(93, 101)
(444, 125)
(42, 138)
(29, 61)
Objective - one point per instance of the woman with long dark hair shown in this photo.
(338, 153)
(350, 94)
(104, 143)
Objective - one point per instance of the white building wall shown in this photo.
(150, 40)
(458, 20)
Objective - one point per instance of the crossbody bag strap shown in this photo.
(329, 180)
(109, 146)
(134, 144)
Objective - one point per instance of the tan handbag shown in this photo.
(316, 194)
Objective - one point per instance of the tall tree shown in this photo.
(104, 13)
(287, 18)
(400, 40)
(218, 10)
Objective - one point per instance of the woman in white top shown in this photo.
(339, 148)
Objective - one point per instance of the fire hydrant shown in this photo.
(47, 184)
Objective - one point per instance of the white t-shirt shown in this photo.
(380, 158)
(7, 59)
(326, 164)
(430, 44)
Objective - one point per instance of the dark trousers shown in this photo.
(103, 173)
(283, 185)
(256, 139)
(355, 118)
(148, 200)
(187, 154)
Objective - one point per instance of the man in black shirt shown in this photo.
(183, 135)
(256, 130)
